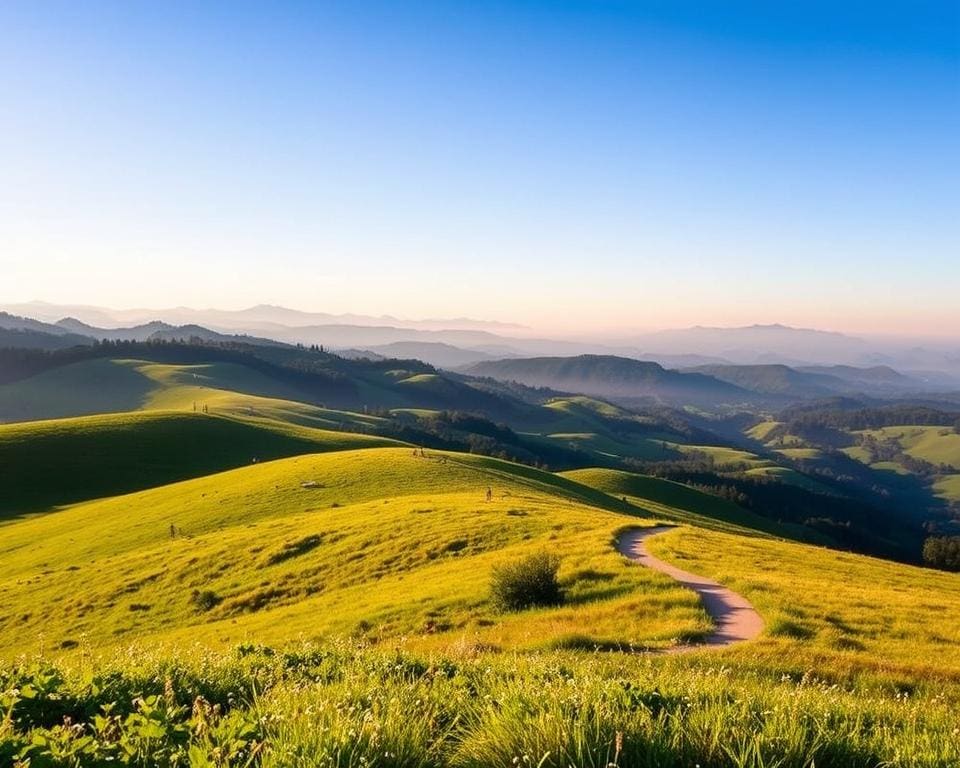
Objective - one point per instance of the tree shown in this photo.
(942, 552)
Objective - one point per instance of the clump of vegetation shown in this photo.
(526, 583)
(942, 552)
(294, 548)
(205, 599)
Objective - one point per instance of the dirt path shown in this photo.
(734, 617)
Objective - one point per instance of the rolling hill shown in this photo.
(296, 545)
(278, 389)
(62, 461)
(779, 380)
(386, 543)
(125, 376)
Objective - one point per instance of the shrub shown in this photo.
(526, 583)
(204, 600)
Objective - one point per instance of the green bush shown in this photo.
(204, 600)
(526, 583)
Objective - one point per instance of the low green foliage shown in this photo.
(526, 583)
(343, 704)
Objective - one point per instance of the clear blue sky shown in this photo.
(573, 166)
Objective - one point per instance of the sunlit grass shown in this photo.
(377, 542)
(345, 704)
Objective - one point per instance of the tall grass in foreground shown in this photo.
(343, 705)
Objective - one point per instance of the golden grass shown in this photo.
(386, 544)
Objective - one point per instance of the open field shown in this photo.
(940, 446)
(723, 457)
(836, 611)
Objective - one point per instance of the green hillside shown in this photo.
(929, 453)
(88, 387)
(673, 501)
(384, 543)
(935, 449)
(938, 445)
(124, 376)
(375, 541)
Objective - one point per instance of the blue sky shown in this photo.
(578, 167)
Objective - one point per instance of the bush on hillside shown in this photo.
(204, 600)
(942, 552)
(526, 583)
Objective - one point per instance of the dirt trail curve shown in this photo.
(734, 617)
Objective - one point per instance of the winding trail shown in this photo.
(734, 617)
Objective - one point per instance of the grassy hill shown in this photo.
(88, 387)
(673, 501)
(336, 606)
(378, 542)
(937, 445)
(383, 544)
(849, 610)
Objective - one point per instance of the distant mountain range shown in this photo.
(435, 353)
(936, 363)
(262, 315)
(774, 362)
(625, 379)
(18, 331)
(811, 381)
(756, 344)
(617, 378)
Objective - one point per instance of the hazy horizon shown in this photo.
(121, 316)
(581, 169)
